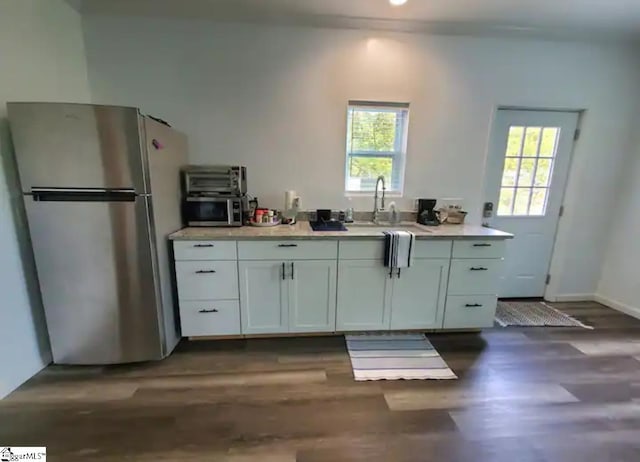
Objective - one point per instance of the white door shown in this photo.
(527, 170)
(263, 297)
(312, 296)
(418, 295)
(364, 293)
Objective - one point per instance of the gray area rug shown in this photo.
(394, 357)
(530, 313)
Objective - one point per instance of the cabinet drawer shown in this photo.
(468, 312)
(210, 317)
(374, 250)
(474, 277)
(207, 280)
(362, 250)
(432, 249)
(478, 249)
(288, 250)
(204, 250)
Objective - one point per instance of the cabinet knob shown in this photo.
(287, 245)
(203, 245)
(205, 271)
(478, 268)
(482, 245)
(473, 305)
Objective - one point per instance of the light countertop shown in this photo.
(302, 230)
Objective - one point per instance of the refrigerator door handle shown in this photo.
(83, 194)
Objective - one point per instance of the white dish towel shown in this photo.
(398, 250)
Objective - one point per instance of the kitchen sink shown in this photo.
(381, 227)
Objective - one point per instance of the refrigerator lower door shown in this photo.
(97, 276)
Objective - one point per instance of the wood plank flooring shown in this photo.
(524, 394)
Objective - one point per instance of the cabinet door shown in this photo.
(418, 296)
(312, 296)
(263, 297)
(363, 295)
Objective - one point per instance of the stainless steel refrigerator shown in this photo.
(101, 189)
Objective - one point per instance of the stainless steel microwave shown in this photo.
(212, 211)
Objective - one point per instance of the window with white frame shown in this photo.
(376, 145)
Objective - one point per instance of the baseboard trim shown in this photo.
(619, 306)
(570, 298)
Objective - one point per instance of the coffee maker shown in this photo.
(427, 214)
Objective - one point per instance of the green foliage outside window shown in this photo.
(371, 167)
(373, 131)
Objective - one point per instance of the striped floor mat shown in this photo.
(394, 357)
(533, 313)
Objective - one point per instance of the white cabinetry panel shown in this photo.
(364, 292)
(312, 296)
(263, 297)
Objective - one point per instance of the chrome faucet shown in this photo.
(377, 210)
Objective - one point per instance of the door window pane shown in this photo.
(521, 204)
(531, 142)
(514, 141)
(538, 201)
(528, 170)
(506, 201)
(549, 142)
(543, 172)
(510, 173)
(527, 167)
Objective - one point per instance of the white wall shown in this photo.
(42, 59)
(274, 98)
(620, 283)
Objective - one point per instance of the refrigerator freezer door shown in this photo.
(96, 277)
(166, 150)
(76, 145)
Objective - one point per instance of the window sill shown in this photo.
(372, 193)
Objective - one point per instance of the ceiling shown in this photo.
(616, 18)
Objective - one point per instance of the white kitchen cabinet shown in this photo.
(364, 292)
(287, 296)
(205, 250)
(419, 294)
(312, 295)
(470, 311)
(263, 297)
(205, 318)
(475, 276)
(207, 280)
(305, 285)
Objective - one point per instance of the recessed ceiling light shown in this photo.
(397, 2)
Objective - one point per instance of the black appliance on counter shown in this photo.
(214, 195)
(427, 215)
(325, 222)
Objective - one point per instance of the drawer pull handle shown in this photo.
(283, 274)
(482, 245)
(213, 310)
(203, 245)
(478, 268)
(205, 271)
(287, 245)
(473, 305)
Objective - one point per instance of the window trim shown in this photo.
(398, 155)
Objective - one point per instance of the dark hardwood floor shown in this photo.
(530, 394)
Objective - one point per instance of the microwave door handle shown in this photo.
(229, 211)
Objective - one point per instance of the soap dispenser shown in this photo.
(394, 216)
